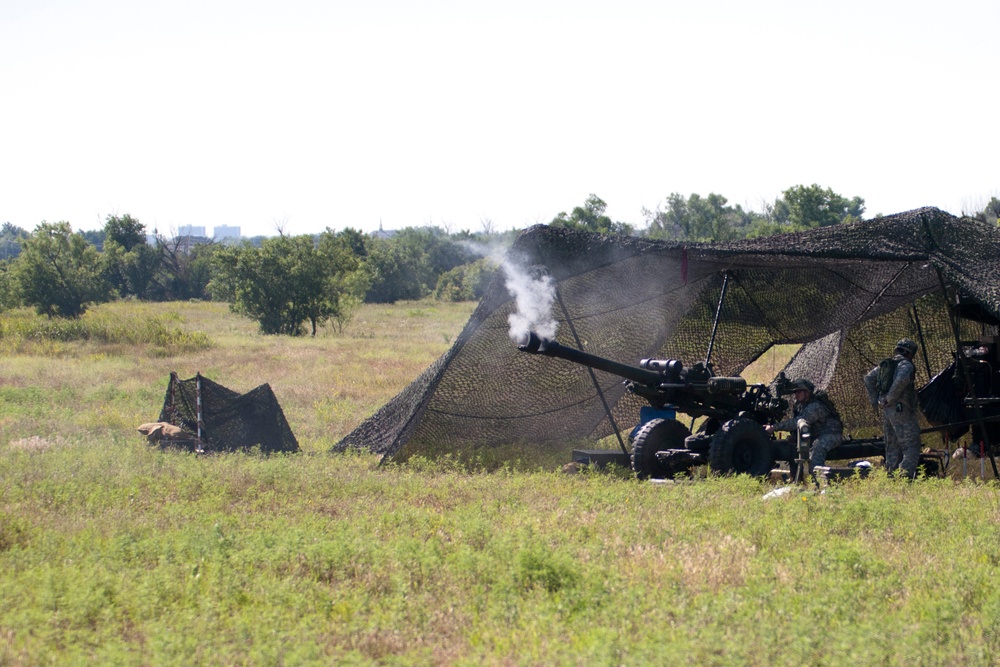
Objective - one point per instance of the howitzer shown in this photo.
(732, 438)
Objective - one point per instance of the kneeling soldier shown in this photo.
(819, 412)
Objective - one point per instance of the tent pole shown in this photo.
(718, 314)
(172, 411)
(965, 371)
(198, 447)
(927, 363)
(920, 335)
(593, 376)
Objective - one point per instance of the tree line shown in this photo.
(297, 284)
(287, 284)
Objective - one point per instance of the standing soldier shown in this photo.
(819, 412)
(891, 387)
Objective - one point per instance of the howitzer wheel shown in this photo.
(656, 435)
(741, 446)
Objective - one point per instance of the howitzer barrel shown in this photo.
(550, 348)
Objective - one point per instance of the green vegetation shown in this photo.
(289, 281)
(591, 217)
(115, 552)
(467, 282)
(106, 372)
(58, 273)
(712, 218)
(124, 325)
(284, 282)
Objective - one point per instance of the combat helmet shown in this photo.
(906, 345)
(803, 383)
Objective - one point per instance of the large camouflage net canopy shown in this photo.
(845, 293)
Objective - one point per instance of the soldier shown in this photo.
(891, 387)
(824, 422)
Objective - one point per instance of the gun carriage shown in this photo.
(730, 439)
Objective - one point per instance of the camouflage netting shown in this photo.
(848, 293)
(230, 421)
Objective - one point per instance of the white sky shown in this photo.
(313, 114)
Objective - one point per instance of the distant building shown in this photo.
(383, 234)
(191, 230)
(226, 232)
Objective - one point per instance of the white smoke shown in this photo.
(534, 292)
(533, 289)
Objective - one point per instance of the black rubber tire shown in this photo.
(741, 446)
(656, 435)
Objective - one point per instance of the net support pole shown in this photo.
(718, 315)
(172, 409)
(198, 448)
(593, 376)
(920, 335)
(927, 363)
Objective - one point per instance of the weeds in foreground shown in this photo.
(129, 554)
(112, 551)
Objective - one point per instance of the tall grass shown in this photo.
(113, 552)
(128, 555)
(25, 332)
(107, 373)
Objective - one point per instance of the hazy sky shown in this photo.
(312, 114)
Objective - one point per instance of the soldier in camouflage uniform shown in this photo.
(896, 395)
(825, 426)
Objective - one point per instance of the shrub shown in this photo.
(467, 282)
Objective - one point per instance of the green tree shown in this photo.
(59, 272)
(467, 282)
(350, 239)
(94, 237)
(408, 264)
(394, 272)
(804, 207)
(342, 254)
(281, 285)
(124, 230)
(8, 294)
(698, 218)
(185, 269)
(591, 217)
(11, 237)
(130, 263)
(990, 212)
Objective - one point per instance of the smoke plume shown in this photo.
(533, 289)
(534, 292)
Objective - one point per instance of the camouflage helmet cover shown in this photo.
(805, 384)
(907, 345)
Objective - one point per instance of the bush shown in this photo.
(467, 282)
(59, 272)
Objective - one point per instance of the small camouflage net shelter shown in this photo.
(847, 293)
(230, 421)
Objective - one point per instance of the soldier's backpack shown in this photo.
(825, 399)
(886, 374)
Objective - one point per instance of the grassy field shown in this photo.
(55, 383)
(113, 552)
